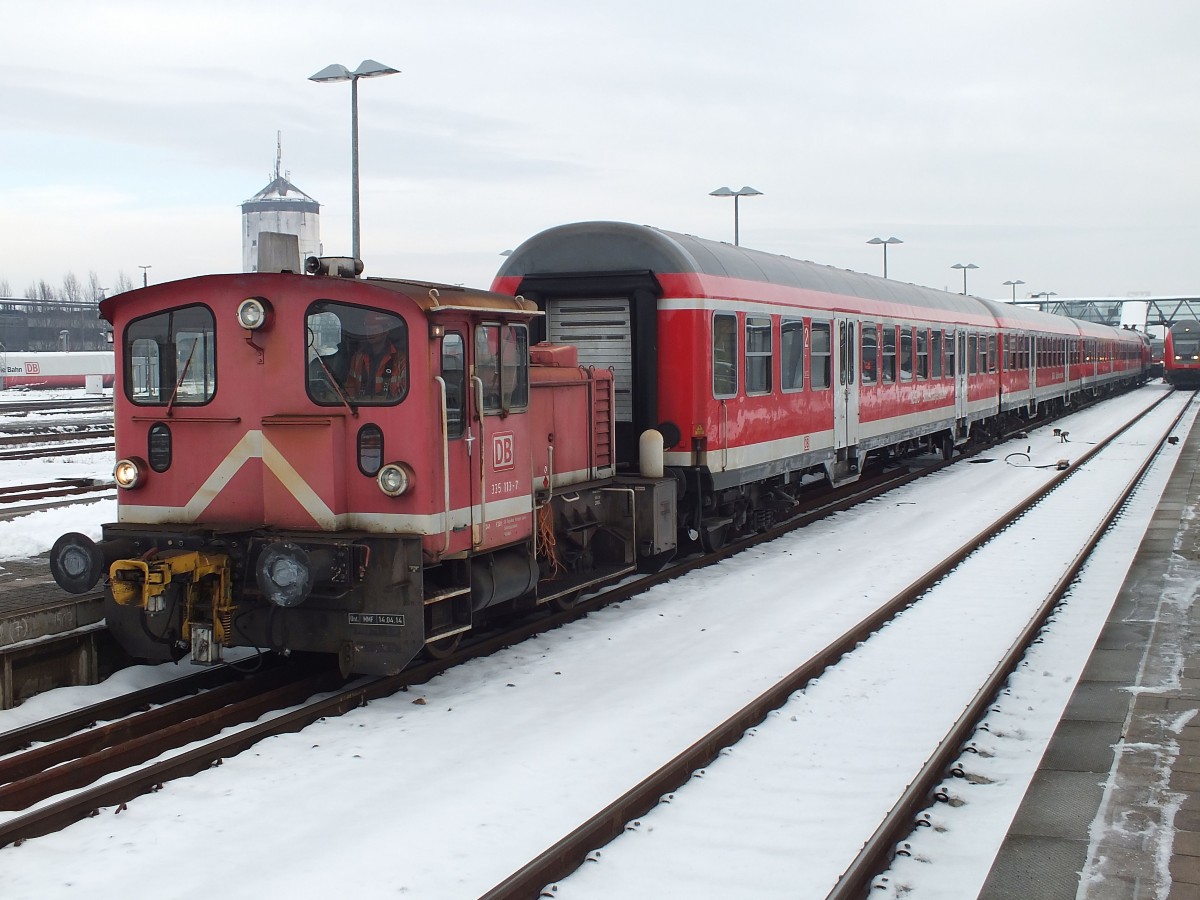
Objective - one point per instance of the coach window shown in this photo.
(758, 355)
(889, 354)
(935, 353)
(922, 354)
(502, 364)
(724, 355)
(170, 358)
(950, 341)
(906, 354)
(870, 352)
(972, 361)
(454, 373)
(791, 355)
(820, 358)
(993, 355)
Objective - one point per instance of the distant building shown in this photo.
(50, 325)
(283, 208)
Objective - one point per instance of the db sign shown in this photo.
(502, 451)
(33, 368)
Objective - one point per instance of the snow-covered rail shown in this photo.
(1111, 469)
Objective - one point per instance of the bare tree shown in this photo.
(95, 292)
(5, 290)
(122, 284)
(71, 289)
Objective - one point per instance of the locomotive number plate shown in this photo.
(376, 619)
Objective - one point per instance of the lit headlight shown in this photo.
(128, 473)
(252, 313)
(394, 479)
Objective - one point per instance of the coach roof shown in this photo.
(610, 247)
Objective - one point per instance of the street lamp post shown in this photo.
(1014, 287)
(746, 191)
(145, 277)
(964, 271)
(368, 68)
(1045, 295)
(891, 240)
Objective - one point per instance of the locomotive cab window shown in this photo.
(170, 358)
(502, 365)
(355, 355)
(454, 373)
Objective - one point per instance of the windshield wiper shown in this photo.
(182, 375)
(337, 387)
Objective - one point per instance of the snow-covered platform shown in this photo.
(48, 638)
(1114, 810)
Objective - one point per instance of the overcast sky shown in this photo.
(1052, 142)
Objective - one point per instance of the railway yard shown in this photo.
(963, 651)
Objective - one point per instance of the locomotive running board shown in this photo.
(567, 587)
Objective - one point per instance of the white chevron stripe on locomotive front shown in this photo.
(253, 445)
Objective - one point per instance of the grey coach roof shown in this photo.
(599, 247)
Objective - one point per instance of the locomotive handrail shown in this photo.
(477, 537)
(441, 382)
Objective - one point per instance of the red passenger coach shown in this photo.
(759, 371)
(347, 466)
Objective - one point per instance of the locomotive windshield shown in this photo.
(170, 358)
(355, 355)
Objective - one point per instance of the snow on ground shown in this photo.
(35, 533)
(507, 754)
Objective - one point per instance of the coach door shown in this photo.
(845, 406)
(962, 370)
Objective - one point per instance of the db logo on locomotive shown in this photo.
(502, 451)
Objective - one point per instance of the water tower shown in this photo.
(282, 208)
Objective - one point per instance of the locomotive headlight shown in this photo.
(128, 473)
(394, 479)
(253, 312)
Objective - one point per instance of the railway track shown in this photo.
(925, 787)
(63, 488)
(49, 446)
(53, 815)
(25, 407)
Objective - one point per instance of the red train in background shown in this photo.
(36, 369)
(372, 467)
(1181, 354)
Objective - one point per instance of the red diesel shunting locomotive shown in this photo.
(347, 466)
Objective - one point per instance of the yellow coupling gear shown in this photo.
(200, 580)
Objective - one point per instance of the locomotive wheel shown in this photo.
(445, 647)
